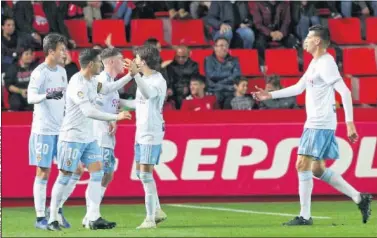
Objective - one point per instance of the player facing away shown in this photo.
(46, 91)
(318, 140)
(76, 140)
(104, 131)
(150, 126)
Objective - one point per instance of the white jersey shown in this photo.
(107, 103)
(319, 79)
(150, 125)
(48, 114)
(76, 126)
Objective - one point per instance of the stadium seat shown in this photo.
(167, 55)
(368, 90)
(248, 61)
(102, 28)
(39, 55)
(282, 62)
(198, 56)
(79, 32)
(287, 82)
(371, 29)
(128, 54)
(359, 61)
(260, 82)
(75, 57)
(345, 31)
(308, 57)
(181, 33)
(161, 14)
(143, 29)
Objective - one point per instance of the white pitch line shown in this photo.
(240, 211)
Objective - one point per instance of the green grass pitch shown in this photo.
(204, 220)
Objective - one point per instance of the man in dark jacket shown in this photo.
(221, 70)
(38, 18)
(180, 72)
(229, 19)
(272, 20)
(304, 15)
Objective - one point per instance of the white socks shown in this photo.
(150, 194)
(93, 195)
(69, 188)
(57, 194)
(39, 193)
(158, 206)
(103, 190)
(305, 192)
(337, 181)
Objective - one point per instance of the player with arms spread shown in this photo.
(318, 140)
(47, 85)
(76, 140)
(150, 126)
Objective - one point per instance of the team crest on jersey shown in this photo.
(80, 94)
(68, 163)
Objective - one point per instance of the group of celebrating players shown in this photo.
(76, 123)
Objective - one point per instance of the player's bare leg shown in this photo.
(39, 193)
(305, 176)
(363, 201)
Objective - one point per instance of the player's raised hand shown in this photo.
(127, 63)
(134, 68)
(261, 94)
(351, 132)
(57, 95)
(124, 116)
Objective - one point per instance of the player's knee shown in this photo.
(43, 173)
(107, 178)
(96, 176)
(64, 178)
(317, 170)
(146, 177)
(303, 163)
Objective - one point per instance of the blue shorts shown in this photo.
(108, 160)
(319, 143)
(147, 154)
(71, 153)
(42, 149)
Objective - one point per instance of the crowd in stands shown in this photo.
(227, 25)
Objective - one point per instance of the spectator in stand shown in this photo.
(123, 10)
(70, 66)
(272, 20)
(221, 69)
(199, 9)
(304, 15)
(9, 42)
(199, 100)
(17, 79)
(346, 8)
(6, 10)
(38, 18)
(241, 101)
(231, 20)
(92, 11)
(180, 72)
(178, 9)
(273, 84)
(143, 10)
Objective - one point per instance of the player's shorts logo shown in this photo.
(68, 163)
(80, 94)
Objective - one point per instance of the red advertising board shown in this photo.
(232, 159)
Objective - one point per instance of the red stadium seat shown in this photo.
(181, 33)
(359, 61)
(308, 57)
(282, 62)
(75, 57)
(248, 61)
(143, 29)
(371, 31)
(368, 90)
(167, 55)
(260, 82)
(102, 28)
(198, 56)
(345, 31)
(287, 82)
(79, 32)
(128, 54)
(39, 55)
(161, 14)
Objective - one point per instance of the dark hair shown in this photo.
(322, 32)
(239, 80)
(199, 78)
(88, 55)
(51, 41)
(274, 80)
(4, 19)
(151, 41)
(110, 52)
(150, 55)
(222, 38)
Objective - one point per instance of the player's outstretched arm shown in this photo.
(92, 112)
(127, 103)
(291, 91)
(148, 91)
(106, 88)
